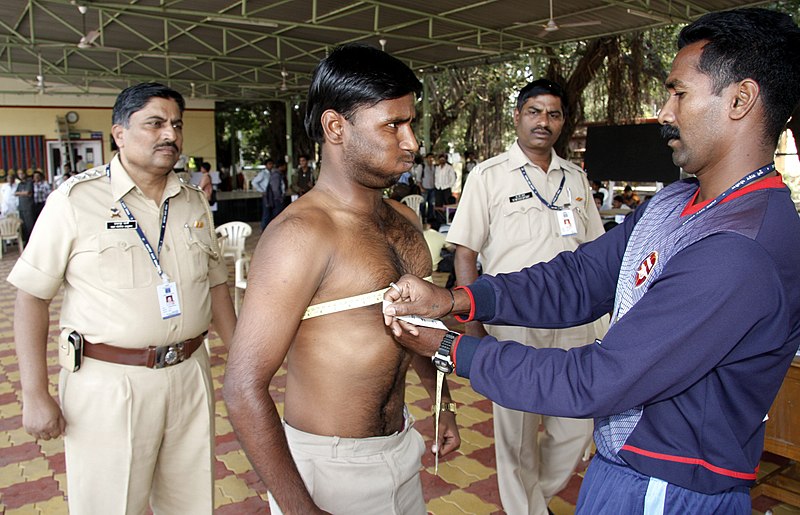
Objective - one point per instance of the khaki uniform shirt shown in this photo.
(109, 279)
(500, 217)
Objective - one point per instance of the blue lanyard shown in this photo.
(744, 181)
(550, 205)
(153, 254)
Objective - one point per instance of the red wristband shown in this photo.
(453, 350)
(471, 315)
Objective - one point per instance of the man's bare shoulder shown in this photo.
(406, 211)
(302, 219)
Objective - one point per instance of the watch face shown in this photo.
(443, 365)
(72, 117)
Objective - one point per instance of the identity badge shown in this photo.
(168, 300)
(566, 222)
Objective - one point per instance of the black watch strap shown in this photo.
(442, 359)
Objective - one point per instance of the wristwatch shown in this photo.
(442, 360)
(446, 406)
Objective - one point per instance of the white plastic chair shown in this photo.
(10, 230)
(234, 235)
(414, 202)
(240, 269)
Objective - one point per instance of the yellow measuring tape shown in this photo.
(357, 301)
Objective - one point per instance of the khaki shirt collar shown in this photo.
(122, 184)
(518, 159)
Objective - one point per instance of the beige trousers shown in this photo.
(533, 466)
(363, 476)
(137, 437)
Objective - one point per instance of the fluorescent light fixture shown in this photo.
(243, 21)
(169, 56)
(477, 50)
(652, 16)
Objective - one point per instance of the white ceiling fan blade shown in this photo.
(89, 39)
(580, 24)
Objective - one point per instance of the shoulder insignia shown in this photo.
(190, 186)
(86, 176)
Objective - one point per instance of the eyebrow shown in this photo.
(406, 119)
(671, 84)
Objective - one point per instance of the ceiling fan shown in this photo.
(89, 40)
(552, 26)
(40, 85)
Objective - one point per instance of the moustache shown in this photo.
(533, 131)
(169, 144)
(669, 132)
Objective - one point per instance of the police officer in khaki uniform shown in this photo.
(517, 209)
(135, 250)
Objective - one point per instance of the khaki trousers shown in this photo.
(532, 467)
(137, 436)
(363, 476)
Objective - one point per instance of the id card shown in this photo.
(168, 300)
(566, 222)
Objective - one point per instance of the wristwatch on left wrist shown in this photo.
(442, 359)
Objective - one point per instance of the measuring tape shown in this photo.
(438, 407)
(357, 301)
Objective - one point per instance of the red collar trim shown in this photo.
(764, 184)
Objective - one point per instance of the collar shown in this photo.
(122, 184)
(764, 184)
(517, 158)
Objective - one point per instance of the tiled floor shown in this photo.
(32, 478)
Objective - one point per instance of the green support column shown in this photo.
(289, 143)
(426, 116)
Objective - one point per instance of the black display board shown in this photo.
(629, 153)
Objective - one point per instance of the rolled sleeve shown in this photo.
(40, 270)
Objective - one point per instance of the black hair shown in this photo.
(353, 76)
(206, 166)
(134, 98)
(543, 87)
(752, 43)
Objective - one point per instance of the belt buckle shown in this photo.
(168, 355)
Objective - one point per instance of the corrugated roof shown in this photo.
(262, 49)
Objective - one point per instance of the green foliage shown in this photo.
(263, 132)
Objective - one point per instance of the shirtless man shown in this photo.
(346, 445)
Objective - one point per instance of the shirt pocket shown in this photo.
(124, 262)
(201, 250)
(521, 221)
(582, 222)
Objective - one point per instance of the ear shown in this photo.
(745, 97)
(516, 117)
(116, 133)
(333, 126)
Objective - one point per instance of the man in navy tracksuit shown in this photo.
(702, 283)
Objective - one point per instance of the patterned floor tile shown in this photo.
(33, 480)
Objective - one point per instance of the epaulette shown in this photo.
(190, 185)
(88, 175)
(492, 161)
(572, 166)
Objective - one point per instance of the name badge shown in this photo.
(168, 300)
(566, 222)
(122, 224)
(520, 197)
